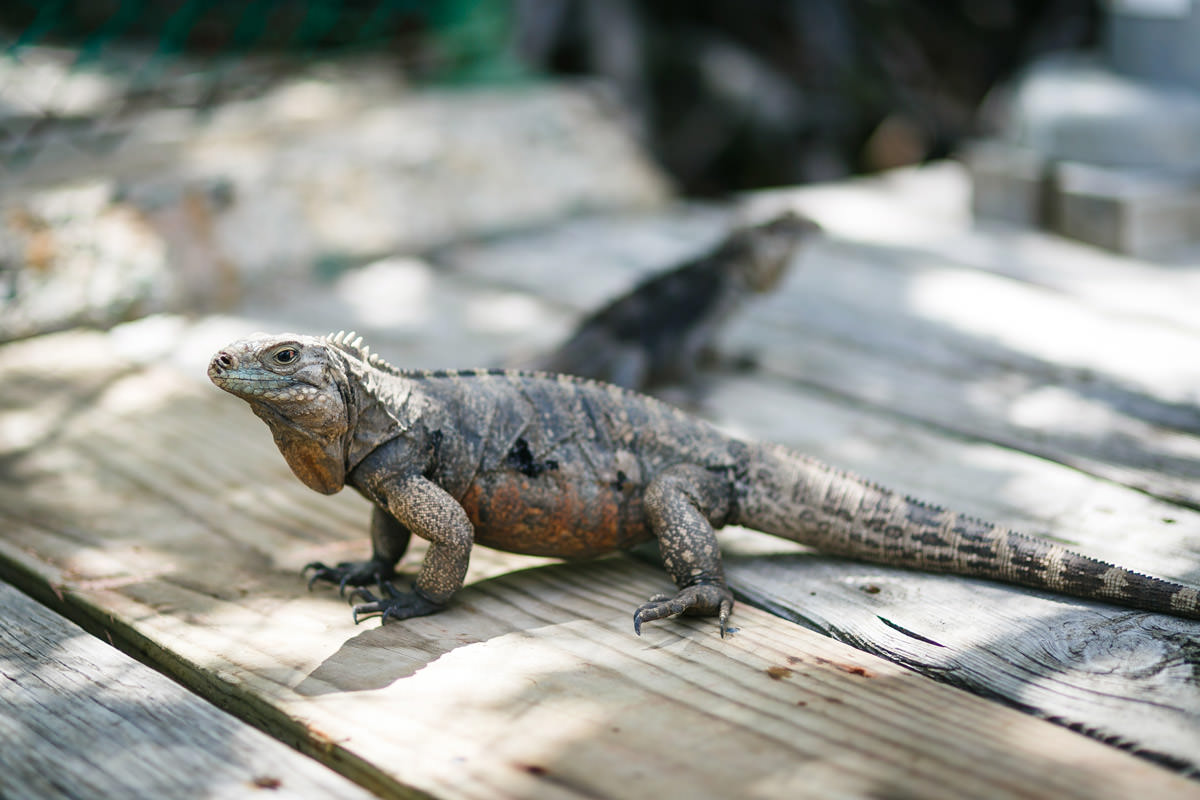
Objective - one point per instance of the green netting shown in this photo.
(73, 71)
(462, 33)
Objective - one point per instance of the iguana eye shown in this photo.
(287, 355)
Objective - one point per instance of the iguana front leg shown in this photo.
(421, 506)
(389, 541)
(683, 504)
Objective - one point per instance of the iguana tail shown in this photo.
(801, 499)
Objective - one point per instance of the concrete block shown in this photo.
(1007, 182)
(1142, 215)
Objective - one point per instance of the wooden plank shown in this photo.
(80, 719)
(161, 513)
(1123, 678)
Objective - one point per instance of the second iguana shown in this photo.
(555, 465)
(662, 330)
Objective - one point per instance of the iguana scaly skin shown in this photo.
(661, 330)
(559, 466)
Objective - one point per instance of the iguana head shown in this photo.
(299, 386)
(770, 246)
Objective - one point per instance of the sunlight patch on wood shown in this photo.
(1030, 320)
(1065, 409)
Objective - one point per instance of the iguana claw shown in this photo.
(347, 573)
(398, 605)
(703, 599)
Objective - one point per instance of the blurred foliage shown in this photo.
(767, 92)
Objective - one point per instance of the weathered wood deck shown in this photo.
(81, 719)
(1023, 379)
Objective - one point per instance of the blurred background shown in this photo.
(727, 96)
(178, 155)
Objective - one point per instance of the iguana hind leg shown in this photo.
(682, 505)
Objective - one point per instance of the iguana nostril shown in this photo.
(222, 362)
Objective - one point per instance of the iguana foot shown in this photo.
(703, 599)
(397, 604)
(349, 573)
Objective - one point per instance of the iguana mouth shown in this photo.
(259, 386)
(225, 372)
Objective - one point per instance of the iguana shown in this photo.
(663, 329)
(555, 465)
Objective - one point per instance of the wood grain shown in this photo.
(80, 719)
(160, 512)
